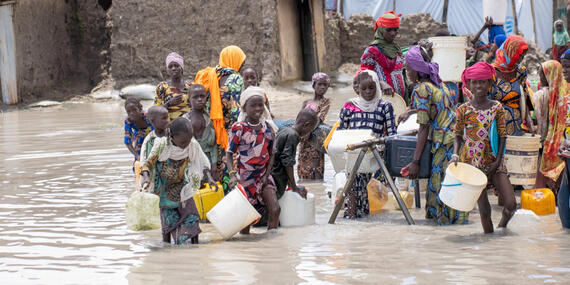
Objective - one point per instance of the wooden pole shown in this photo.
(444, 16)
(394, 5)
(533, 21)
(516, 22)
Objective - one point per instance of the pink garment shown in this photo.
(174, 57)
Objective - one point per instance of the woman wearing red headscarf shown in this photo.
(384, 56)
(510, 85)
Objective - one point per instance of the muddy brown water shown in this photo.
(66, 175)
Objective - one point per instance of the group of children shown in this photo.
(178, 151)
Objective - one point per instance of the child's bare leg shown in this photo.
(485, 212)
(245, 231)
(166, 237)
(194, 240)
(272, 207)
(505, 188)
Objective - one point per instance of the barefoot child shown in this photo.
(367, 111)
(202, 127)
(311, 152)
(137, 126)
(251, 139)
(285, 151)
(179, 166)
(473, 132)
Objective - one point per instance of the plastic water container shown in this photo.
(411, 124)
(296, 210)
(232, 213)
(400, 152)
(540, 201)
(339, 182)
(521, 159)
(497, 9)
(206, 198)
(398, 103)
(462, 186)
(142, 211)
(344, 160)
(523, 220)
(406, 196)
(449, 53)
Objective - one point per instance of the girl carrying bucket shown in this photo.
(480, 125)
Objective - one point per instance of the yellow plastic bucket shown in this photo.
(206, 198)
(462, 186)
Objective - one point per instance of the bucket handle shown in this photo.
(451, 185)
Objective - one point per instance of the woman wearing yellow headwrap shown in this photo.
(224, 85)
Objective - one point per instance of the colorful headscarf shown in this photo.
(508, 55)
(478, 71)
(230, 57)
(174, 57)
(369, 106)
(320, 76)
(415, 61)
(388, 20)
(551, 166)
(247, 94)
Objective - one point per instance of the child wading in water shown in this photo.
(158, 117)
(137, 126)
(202, 127)
(251, 139)
(473, 132)
(367, 111)
(311, 152)
(285, 151)
(179, 165)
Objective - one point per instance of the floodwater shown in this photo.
(66, 175)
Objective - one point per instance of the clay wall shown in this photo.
(145, 31)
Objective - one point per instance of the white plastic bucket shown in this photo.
(521, 159)
(449, 53)
(497, 9)
(344, 160)
(462, 186)
(339, 182)
(295, 210)
(232, 213)
(411, 124)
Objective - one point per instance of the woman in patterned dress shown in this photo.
(436, 117)
(510, 84)
(473, 131)
(384, 56)
(173, 94)
(224, 85)
(368, 111)
(311, 161)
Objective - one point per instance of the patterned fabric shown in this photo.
(475, 127)
(311, 162)
(208, 139)
(388, 70)
(134, 135)
(453, 92)
(320, 76)
(509, 94)
(165, 92)
(435, 208)
(435, 109)
(507, 56)
(182, 224)
(381, 122)
(253, 149)
(551, 165)
(230, 93)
